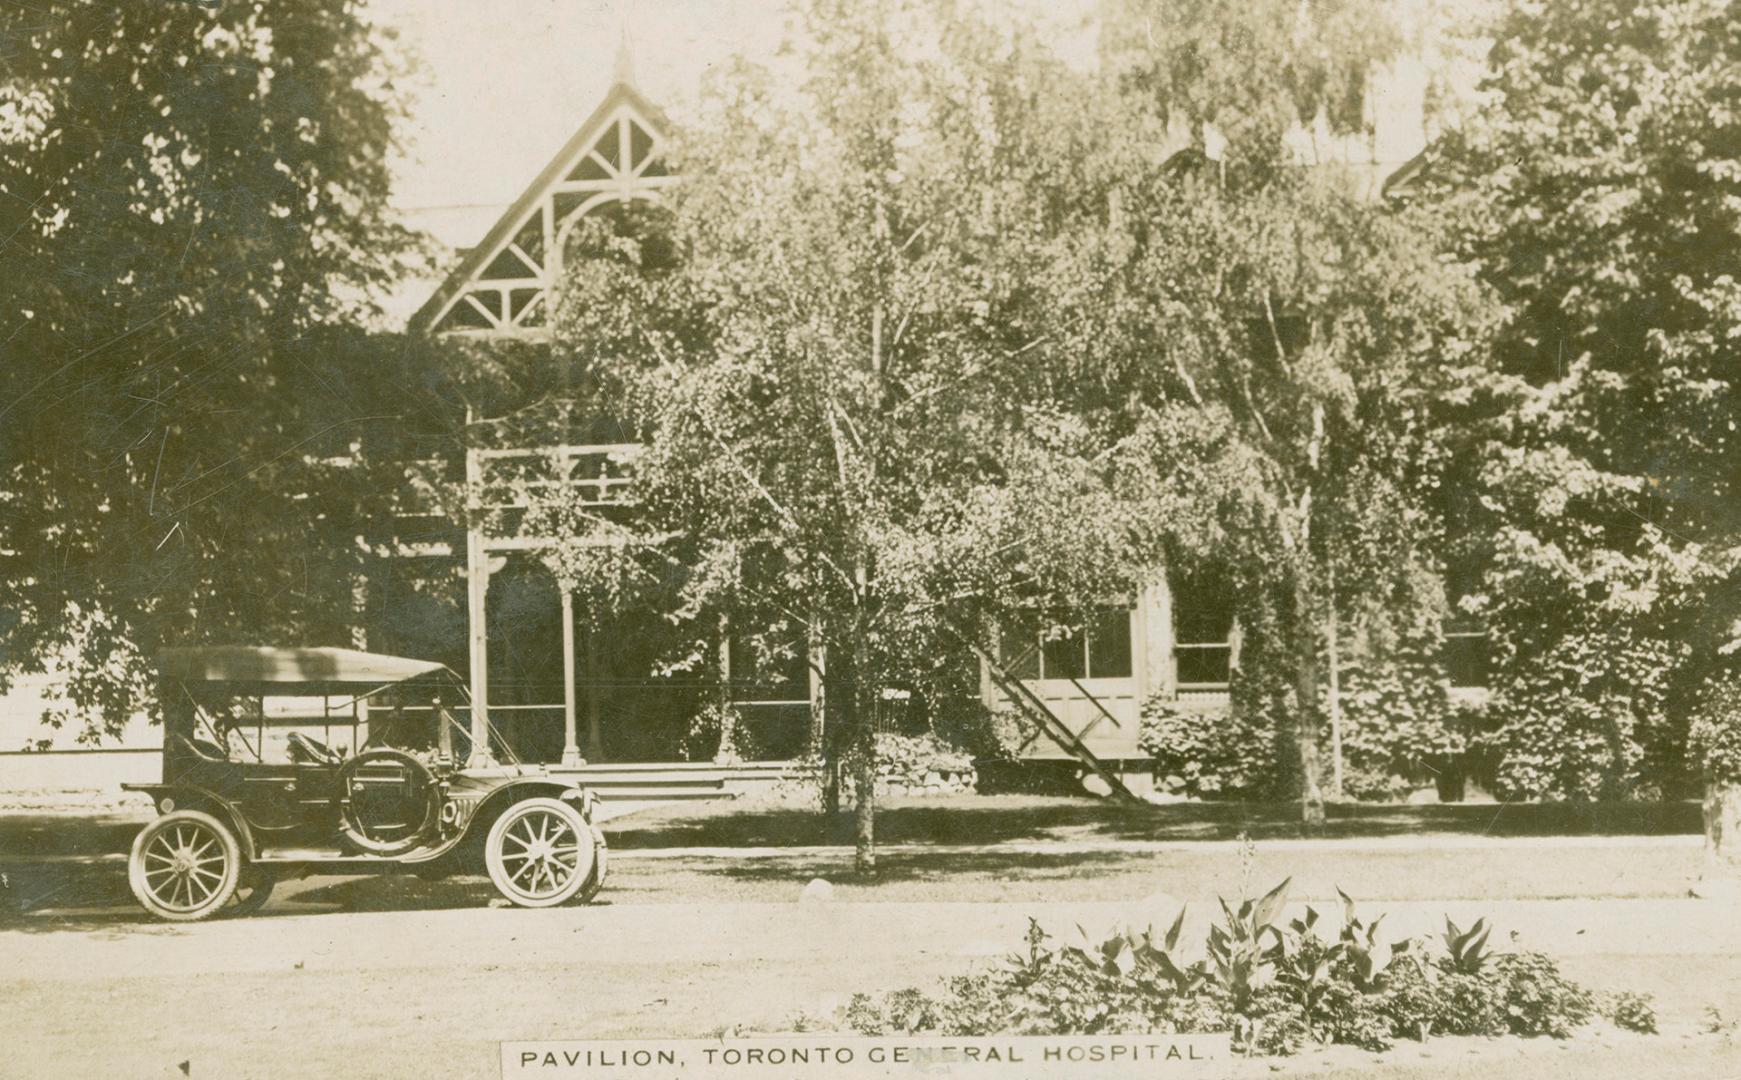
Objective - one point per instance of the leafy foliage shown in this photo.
(907, 760)
(1596, 192)
(1538, 1000)
(1631, 1012)
(839, 357)
(1714, 740)
(1216, 753)
(1243, 950)
(1278, 989)
(189, 193)
(1466, 950)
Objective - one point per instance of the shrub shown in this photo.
(1587, 648)
(1214, 753)
(1632, 1012)
(1409, 1002)
(1536, 999)
(717, 733)
(1714, 736)
(1466, 1003)
(1315, 991)
(1399, 729)
(897, 1012)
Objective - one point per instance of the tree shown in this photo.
(1264, 341)
(1598, 190)
(845, 382)
(190, 195)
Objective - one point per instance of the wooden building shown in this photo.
(581, 697)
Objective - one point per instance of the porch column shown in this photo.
(477, 584)
(570, 747)
(595, 741)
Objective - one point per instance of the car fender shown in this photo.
(188, 797)
(531, 787)
(474, 812)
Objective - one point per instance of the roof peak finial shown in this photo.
(624, 71)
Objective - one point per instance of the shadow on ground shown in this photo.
(990, 820)
(1008, 819)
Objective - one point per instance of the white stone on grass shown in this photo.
(818, 891)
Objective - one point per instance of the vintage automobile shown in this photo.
(282, 762)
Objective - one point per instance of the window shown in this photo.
(1057, 647)
(1202, 630)
(1465, 654)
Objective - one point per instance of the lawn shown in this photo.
(994, 819)
(1006, 849)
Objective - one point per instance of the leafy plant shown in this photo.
(1465, 1003)
(1276, 988)
(1632, 1012)
(1227, 753)
(1467, 949)
(1714, 737)
(1368, 955)
(1242, 952)
(909, 760)
(1323, 986)
(1536, 998)
(1410, 1001)
(1304, 962)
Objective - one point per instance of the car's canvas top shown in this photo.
(290, 667)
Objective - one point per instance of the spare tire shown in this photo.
(391, 801)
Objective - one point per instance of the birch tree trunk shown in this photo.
(1723, 832)
(1306, 705)
(864, 855)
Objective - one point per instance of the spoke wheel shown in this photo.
(540, 853)
(184, 866)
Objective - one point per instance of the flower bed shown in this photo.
(1277, 988)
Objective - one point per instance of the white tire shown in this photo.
(597, 880)
(184, 866)
(540, 853)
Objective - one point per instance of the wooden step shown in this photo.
(601, 783)
(642, 793)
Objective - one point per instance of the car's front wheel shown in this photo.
(539, 853)
(184, 866)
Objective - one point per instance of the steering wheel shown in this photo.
(391, 801)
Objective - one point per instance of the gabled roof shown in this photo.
(501, 286)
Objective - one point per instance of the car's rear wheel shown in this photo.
(184, 866)
(540, 853)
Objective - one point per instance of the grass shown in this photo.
(907, 875)
(962, 850)
(994, 819)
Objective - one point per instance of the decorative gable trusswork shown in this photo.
(506, 285)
